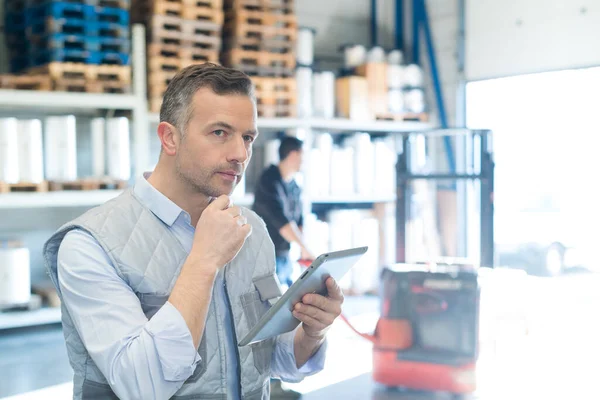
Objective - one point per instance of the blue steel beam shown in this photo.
(416, 23)
(399, 25)
(374, 33)
(439, 98)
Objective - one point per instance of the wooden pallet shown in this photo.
(280, 6)
(262, 32)
(276, 111)
(243, 58)
(146, 9)
(23, 187)
(172, 64)
(154, 104)
(275, 91)
(169, 55)
(88, 184)
(87, 72)
(169, 30)
(158, 82)
(421, 117)
(264, 18)
(257, 44)
(83, 86)
(24, 82)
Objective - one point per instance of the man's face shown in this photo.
(217, 144)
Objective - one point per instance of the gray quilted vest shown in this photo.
(150, 265)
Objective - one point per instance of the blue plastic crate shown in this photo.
(82, 56)
(59, 10)
(48, 26)
(112, 15)
(79, 42)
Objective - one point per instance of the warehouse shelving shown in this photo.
(21, 319)
(71, 102)
(75, 198)
(333, 125)
(354, 199)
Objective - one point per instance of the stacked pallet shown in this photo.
(260, 39)
(179, 33)
(74, 45)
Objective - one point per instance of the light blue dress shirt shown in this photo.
(141, 358)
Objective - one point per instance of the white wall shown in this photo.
(514, 37)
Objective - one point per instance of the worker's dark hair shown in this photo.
(289, 144)
(177, 109)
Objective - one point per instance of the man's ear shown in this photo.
(169, 138)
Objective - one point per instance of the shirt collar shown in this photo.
(158, 203)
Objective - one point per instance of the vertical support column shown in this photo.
(402, 199)
(416, 25)
(374, 32)
(399, 26)
(487, 200)
(141, 127)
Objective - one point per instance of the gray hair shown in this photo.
(177, 108)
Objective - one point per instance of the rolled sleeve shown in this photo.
(284, 360)
(140, 358)
(174, 343)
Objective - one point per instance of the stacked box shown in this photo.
(75, 37)
(179, 33)
(260, 39)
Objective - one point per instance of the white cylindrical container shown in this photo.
(324, 94)
(376, 55)
(395, 101)
(324, 143)
(15, 285)
(31, 151)
(272, 152)
(98, 147)
(61, 148)
(305, 46)
(9, 159)
(395, 57)
(342, 171)
(385, 168)
(414, 100)
(314, 172)
(395, 76)
(118, 154)
(364, 163)
(354, 55)
(365, 274)
(304, 91)
(413, 76)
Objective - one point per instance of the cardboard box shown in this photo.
(352, 99)
(376, 75)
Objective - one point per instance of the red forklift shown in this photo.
(427, 335)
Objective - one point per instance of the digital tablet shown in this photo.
(279, 319)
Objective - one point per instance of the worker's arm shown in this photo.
(292, 234)
(218, 239)
(141, 358)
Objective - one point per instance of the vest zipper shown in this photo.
(237, 351)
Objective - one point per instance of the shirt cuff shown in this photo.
(284, 352)
(174, 344)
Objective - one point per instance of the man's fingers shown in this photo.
(324, 303)
(234, 211)
(316, 313)
(221, 203)
(333, 290)
(310, 321)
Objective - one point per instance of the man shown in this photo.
(159, 284)
(277, 201)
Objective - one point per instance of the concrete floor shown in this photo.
(539, 338)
